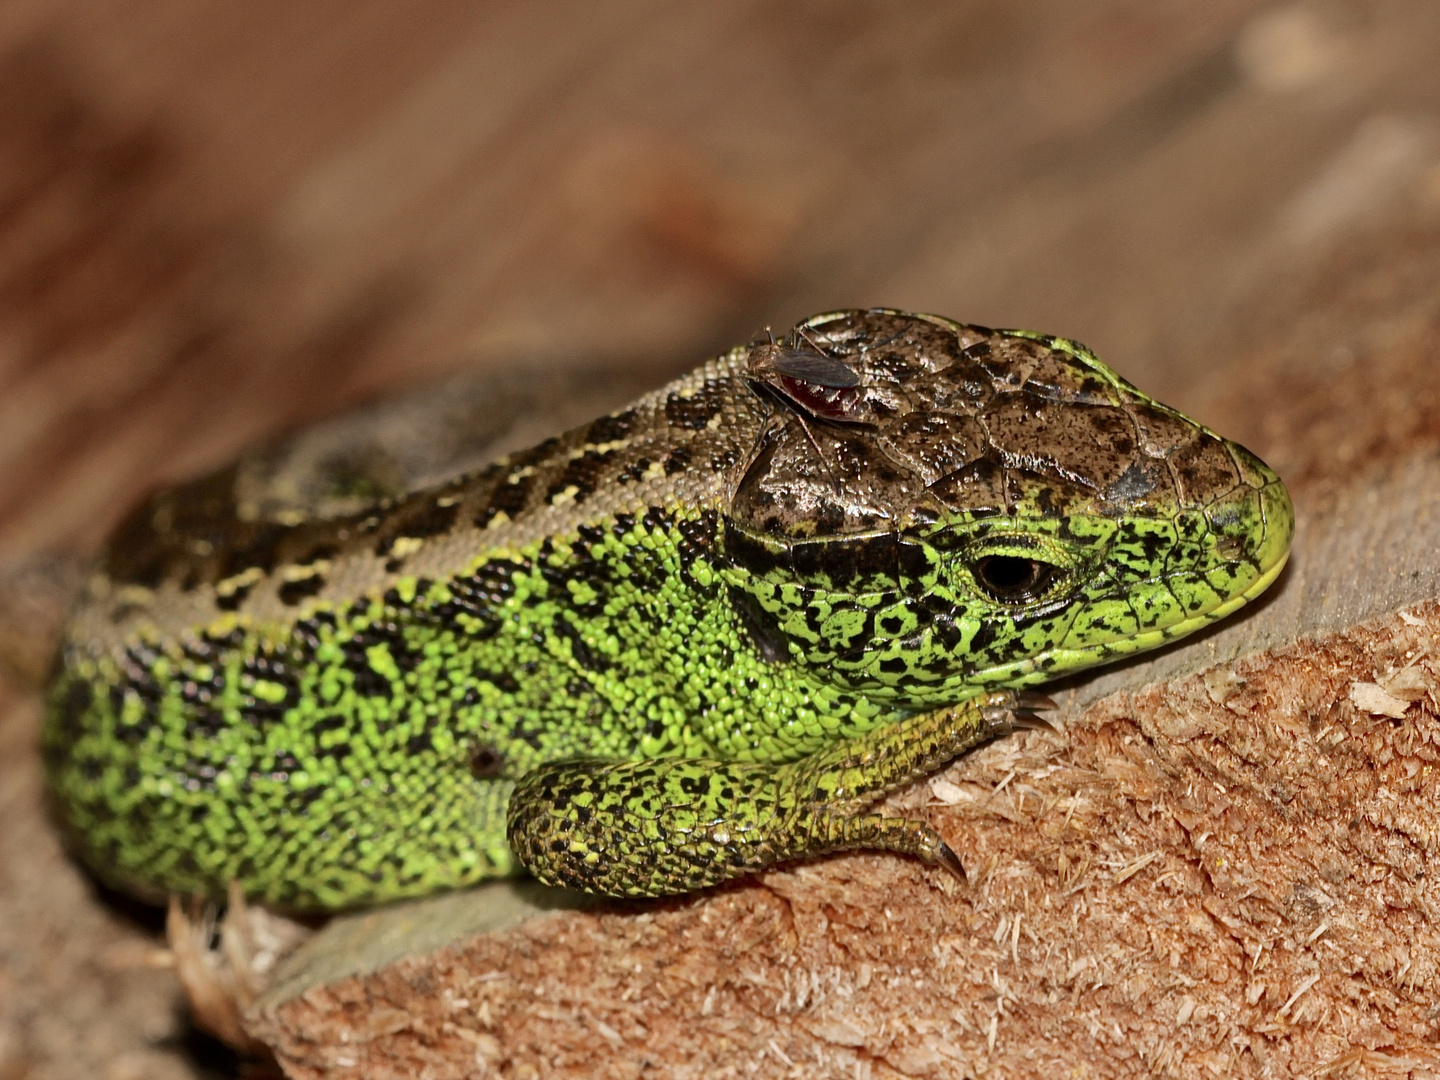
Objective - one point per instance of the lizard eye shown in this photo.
(1013, 579)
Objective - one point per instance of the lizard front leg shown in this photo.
(671, 826)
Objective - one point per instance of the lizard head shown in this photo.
(934, 507)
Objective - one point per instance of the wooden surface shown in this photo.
(219, 221)
(1222, 863)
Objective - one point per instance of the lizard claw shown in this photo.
(945, 857)
(1017, 709)
(1024, 718)
(1034, 699)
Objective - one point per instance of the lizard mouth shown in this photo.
(1268, 551)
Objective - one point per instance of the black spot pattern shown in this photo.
(582, 473)
(292, 592)
(695, 411)
(611, 428)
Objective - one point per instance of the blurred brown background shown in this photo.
(218, 221)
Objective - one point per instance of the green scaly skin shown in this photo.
(685, 642)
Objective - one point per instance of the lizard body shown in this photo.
(692, 638)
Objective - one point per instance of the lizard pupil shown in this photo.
(1012, 579)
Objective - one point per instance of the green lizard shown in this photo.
(687, 641)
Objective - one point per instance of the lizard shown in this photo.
(697, 637)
